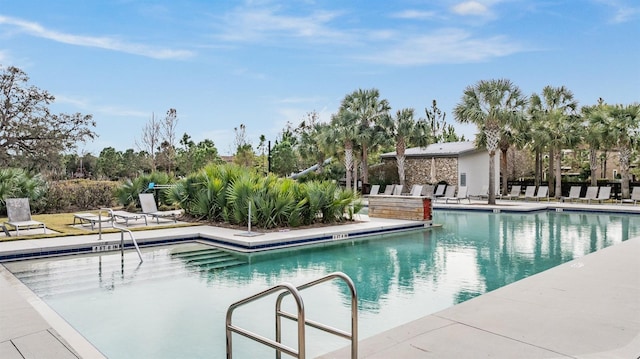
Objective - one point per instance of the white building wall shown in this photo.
(476, 168)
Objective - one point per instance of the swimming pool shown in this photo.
(170, 308)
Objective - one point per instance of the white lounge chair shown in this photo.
(543, 192)
(449, 192)
(604, 194)
(530, 192)
(515, 192)
(91, 218)
(19, 215)
(416, 190)
(388, 189)
(440, 190)
(149, 207)
(374, 190)
(462, 194)
(592, 193)
(427, 191)
(635, 196)
(127, 216)
(574, 193)
(397, 190)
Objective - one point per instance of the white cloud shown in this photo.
(103, 42)
(471, 8)
(414, 14)
(622, 11)
(445, 46)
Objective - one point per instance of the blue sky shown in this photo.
(264, 63)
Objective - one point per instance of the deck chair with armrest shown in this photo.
(388, 190)
(462, 194)
(515, 192)
(604, 194)
(483, 194)
(374, 190)
(574, 193)
(592, 193)
(128, 216)
(635, 197)
(449, 193)
(149, 207)
(19, 215)
(91, 219)
(440, 190)
(529, 193)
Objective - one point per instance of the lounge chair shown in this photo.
(19, 215)
(635, 197)
(543, 192)
(388, 189)
(126, 216)
(483, 194)
(592, 193)
(374, 190)
(530, 192)
(416, 190)
(149, 207)
(427, 191)
(397, 190)
(515, 192)
(91, 218)
(440, 190)
(574, 193)
(462, 194)
(449, 192)
(604, 194)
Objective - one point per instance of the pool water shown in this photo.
(173, 305)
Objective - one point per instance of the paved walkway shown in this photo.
(587, 308)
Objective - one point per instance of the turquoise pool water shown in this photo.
(171, 308)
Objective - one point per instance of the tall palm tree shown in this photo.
(556, 109)
(595, 131)
(367, 107)
(404, 130)
(490, 104)
(344, 130)
(625, 128)
(313, 142)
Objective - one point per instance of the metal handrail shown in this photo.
(353, 336)
(300, 318)
(122, 230)
(279, 347)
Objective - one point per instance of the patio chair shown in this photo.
(462, 194)
(427, 190)
(126, 216)
(374, 190)
(440, 190)
(635, 197)
(515, 192)
(592, 193)
(416, 190)
(388, 189)
(530, 192)
(574, 193)
(604, 194)
(543, 192)
(449, 192)
(397, 190)
(19, 215)
(91, 218)
(149, 207)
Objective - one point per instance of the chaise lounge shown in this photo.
(19, 215)
(149, 207)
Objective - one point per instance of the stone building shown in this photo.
(456, 163)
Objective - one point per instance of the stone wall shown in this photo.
(418, 170)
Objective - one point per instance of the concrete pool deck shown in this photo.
(588, 308)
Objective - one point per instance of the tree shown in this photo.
(344, 129)
(367, 107)
(110, 163)
(150, 140)
(595, 130)
(244, 151)
(441, 131)
(556, 109)
(404, 130)
(313, 143)
(625, 128)
(169, 138)
(29, 133)
(490, 104)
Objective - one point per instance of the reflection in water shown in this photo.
(398, 278)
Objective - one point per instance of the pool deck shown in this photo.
(586, 308)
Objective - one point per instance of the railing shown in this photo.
(286, 289)
(122, 230)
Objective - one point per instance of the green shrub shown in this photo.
(127, 192)
(18, 183)
(81, 194)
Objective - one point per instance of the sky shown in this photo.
(266, 63)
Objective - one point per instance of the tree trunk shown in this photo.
(550, 171)
(492, 177)
(558, 191)
(537, 171)
(625, 155)
(593, 166)
(400, 161)
(348, 163)
(503, 170)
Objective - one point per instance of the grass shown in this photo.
(62, 223)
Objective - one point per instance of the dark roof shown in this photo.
(446, 149)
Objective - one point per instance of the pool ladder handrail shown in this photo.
(289, 289)
(122, 230)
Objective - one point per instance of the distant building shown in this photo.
(456, 163)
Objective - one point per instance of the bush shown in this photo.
(18, 183)
(127, 192)
(82, 194)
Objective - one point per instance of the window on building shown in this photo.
(463, 179)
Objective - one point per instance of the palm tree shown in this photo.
(404, 130)
(490, 104)
(314, 144)
(556, 110)
(595, 130)
(367, 107)
(344, 130)
(625, 128)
